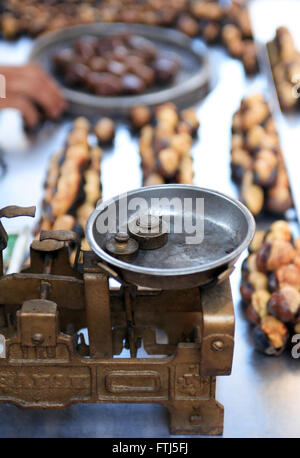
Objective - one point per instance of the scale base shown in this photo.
(47, 364)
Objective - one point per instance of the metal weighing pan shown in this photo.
(190, 85)
(228, 230)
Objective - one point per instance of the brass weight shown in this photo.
(150, 231)
(122, 246)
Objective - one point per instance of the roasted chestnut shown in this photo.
(279, 199)
(249, 57)
(146, 73)
(81, 123)
(105, 130)
(289, 275)
(262, 256)
(98, 64)
(140, 115)
(168, 162)
(232, 38)
(273, 255)
(63, 58)
(265, 167)
(76, 73)
(211, 32)
(284, 304)
(253, 197)
(167, 115)
(207, 10)
(188, 25)
(132, 84)
(143, 45)
(182, 143)
(86, 47)
(165, 69)
(258, 280)
(189, 116)
(257, 241)
(280, 230)
(246, 290)
(185, 171)
(78, 136)
(270, 336)
(259, 301)
(116, 68)
(153, 179)
(104, 83)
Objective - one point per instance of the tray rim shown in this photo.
(229, 259)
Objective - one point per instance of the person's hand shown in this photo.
(30, 90)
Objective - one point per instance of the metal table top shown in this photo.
(261, 395)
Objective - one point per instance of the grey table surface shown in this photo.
(261, 396)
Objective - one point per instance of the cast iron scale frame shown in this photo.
(47, 363)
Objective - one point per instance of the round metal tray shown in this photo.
(190, 85)
(228, 230)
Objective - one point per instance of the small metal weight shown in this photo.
(150, 231)
(122, 247)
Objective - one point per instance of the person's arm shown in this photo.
(29, 86)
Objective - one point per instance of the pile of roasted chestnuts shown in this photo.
(230, 25)
(72, 185)
(285, 64)
(270, 287)
(115, 65)
(165, 143)
(214, 20)
(257, 164)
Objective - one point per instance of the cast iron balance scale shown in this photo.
(163, 284)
